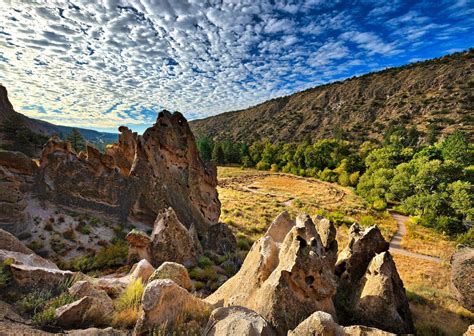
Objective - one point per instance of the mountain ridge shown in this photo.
(434, 96)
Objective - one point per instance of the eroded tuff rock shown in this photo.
(237, 321)
(123, 152)
(17, 173)
(164, 302)
(84, 312)
(220, 239)
(283, 273)
(380, 299)
(370, 291)
(9, 242)
(138, 246)
(173, 271)
(171, 241)
(462, 277)
(323, 324)
(26, 276)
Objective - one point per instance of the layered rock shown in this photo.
(164, 302)
(237, 321)
(462, 277)
(173, 271)
(323, 324)
(138, 246)
(283, 272)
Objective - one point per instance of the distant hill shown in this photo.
(435, 96)
(41, 128)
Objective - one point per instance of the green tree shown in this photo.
(455, 148)
(78, 143)
(218, 153)
(205, 146)
(462, 199)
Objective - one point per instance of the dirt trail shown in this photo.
(395, 243)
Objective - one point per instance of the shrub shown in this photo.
(243, 244)
(70, 234)
(204, 261)
(131, 297)
(354, 178)
(208, 273)
(367, 220)
(34, 300)
(5, 275)
(343, 179)
(111, 256)
(263, 165)
(379, 205)
(467, 238)
(84, 229)
(44, 317)
(274, 168)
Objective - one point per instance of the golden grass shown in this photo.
(426, 241)
(127, 306)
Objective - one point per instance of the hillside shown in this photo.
(43, 128)
(435, 96)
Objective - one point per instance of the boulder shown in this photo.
(164, 302)
(220, 239)
(237, 321)
(352, 263)
(323, 324)
(379, 300)
(10, 243)
(84, 288)
(38, 277)
(171, 241)
(98, 332)
(469, 331)
(462, 277)
(173, 271)
(293, 275)
(114, 286)
(87, 311)
(138, 246)
(11, 323)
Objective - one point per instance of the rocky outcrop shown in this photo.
(9, 242)
(283, 273)
(123, 152)
(164, 302)
(327, 232)
(237, 321)
(38, 277)
(98, 332)
(171, 241)
(168, 164)
(173, 271)
(17, 173)
(462, 277)
(323, 324)
(11, 323)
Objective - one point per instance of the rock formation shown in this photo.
(164, 302)
(123, 152)
(370, 291)
(173, 271)
(462, 277)
(138, 246)
(323, 324)
(283, 273)
(237, 321)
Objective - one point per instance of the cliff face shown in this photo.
(435, 94)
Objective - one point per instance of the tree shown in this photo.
(455, 148)
(218, 153)
(462, 199)
(78, 143)
(204, 146)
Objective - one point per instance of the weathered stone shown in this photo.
(11, 323)
(163, 302)
(380, 300)
(84, 288)
(32, 260)
(323, 324)
(289, 276)
(220, 239)
(327, 232)
(10, 243)
(87, 311)
(123, 152)
(173, 271)
(12, 201)
(469, 331)
(98, 332)
(171, 241)
(38, 277)
(237, 321)
(138, 246)
(462, 277)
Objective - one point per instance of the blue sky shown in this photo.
(102, 64)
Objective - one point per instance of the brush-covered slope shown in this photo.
(435, 96)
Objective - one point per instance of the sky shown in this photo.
(102, 64)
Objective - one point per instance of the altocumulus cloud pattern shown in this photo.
(100, 64)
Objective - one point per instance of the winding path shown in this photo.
(395, 242)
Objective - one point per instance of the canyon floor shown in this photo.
(251, 199)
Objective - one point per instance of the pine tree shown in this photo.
(218, 153)
(77, 141)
